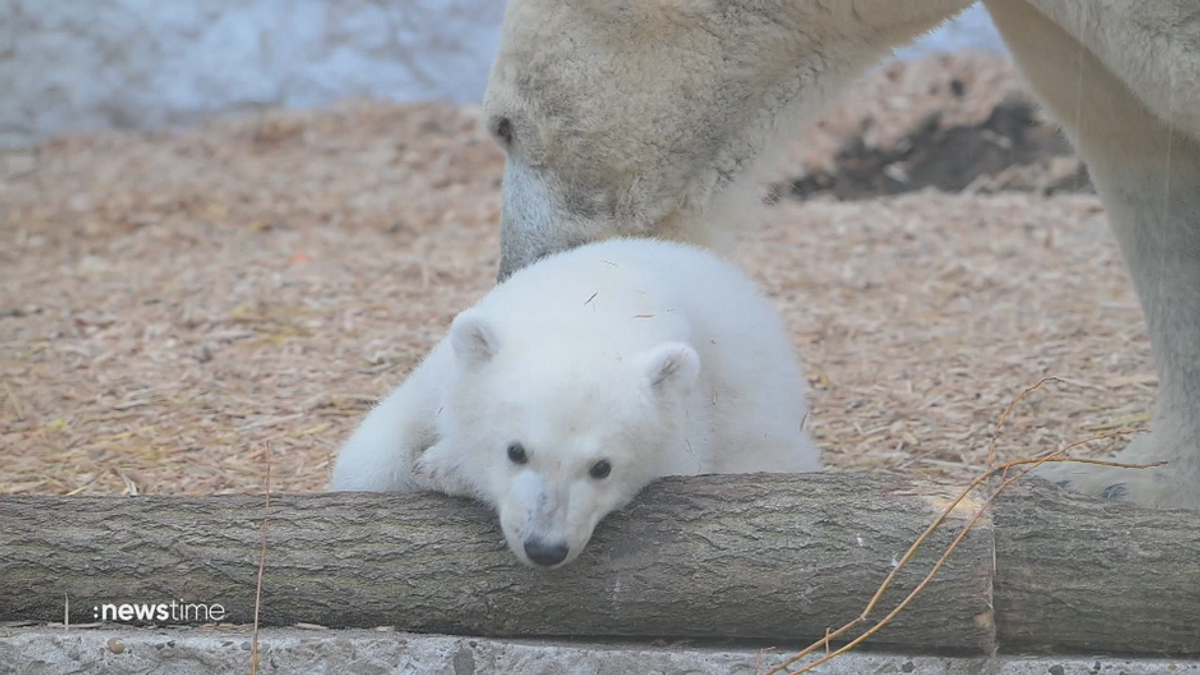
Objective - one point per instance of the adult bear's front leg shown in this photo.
(1147, 173)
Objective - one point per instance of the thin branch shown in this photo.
(991, 471)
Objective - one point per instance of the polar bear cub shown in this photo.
(580, 380)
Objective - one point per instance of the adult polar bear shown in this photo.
(636, 117)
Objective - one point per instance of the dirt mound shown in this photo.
(958, 124)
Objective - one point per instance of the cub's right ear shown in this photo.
(473, 339)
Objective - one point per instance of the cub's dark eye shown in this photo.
(502, 129)
(600, 469)
(516, 453)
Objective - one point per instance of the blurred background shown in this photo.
(72, 65)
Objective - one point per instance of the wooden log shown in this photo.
(779, 558)
(1078, 575)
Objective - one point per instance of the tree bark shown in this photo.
(765, 557)
(1075, 574)
(768, 557)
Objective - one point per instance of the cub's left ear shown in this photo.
(473, 338)
(672, 366)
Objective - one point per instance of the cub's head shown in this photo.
(557, 437)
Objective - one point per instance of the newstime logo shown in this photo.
(162, 612)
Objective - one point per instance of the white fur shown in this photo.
(653, 356)
(649, 117)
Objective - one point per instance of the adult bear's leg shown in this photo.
(1146, 168)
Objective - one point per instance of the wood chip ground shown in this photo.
(173, 303)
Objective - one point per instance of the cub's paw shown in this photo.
(438, 469)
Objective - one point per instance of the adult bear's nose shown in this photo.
(544, 553)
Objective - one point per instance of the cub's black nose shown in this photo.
(544, 553)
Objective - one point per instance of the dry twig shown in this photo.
(1002, 470)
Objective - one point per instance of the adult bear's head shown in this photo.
(646, 117)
